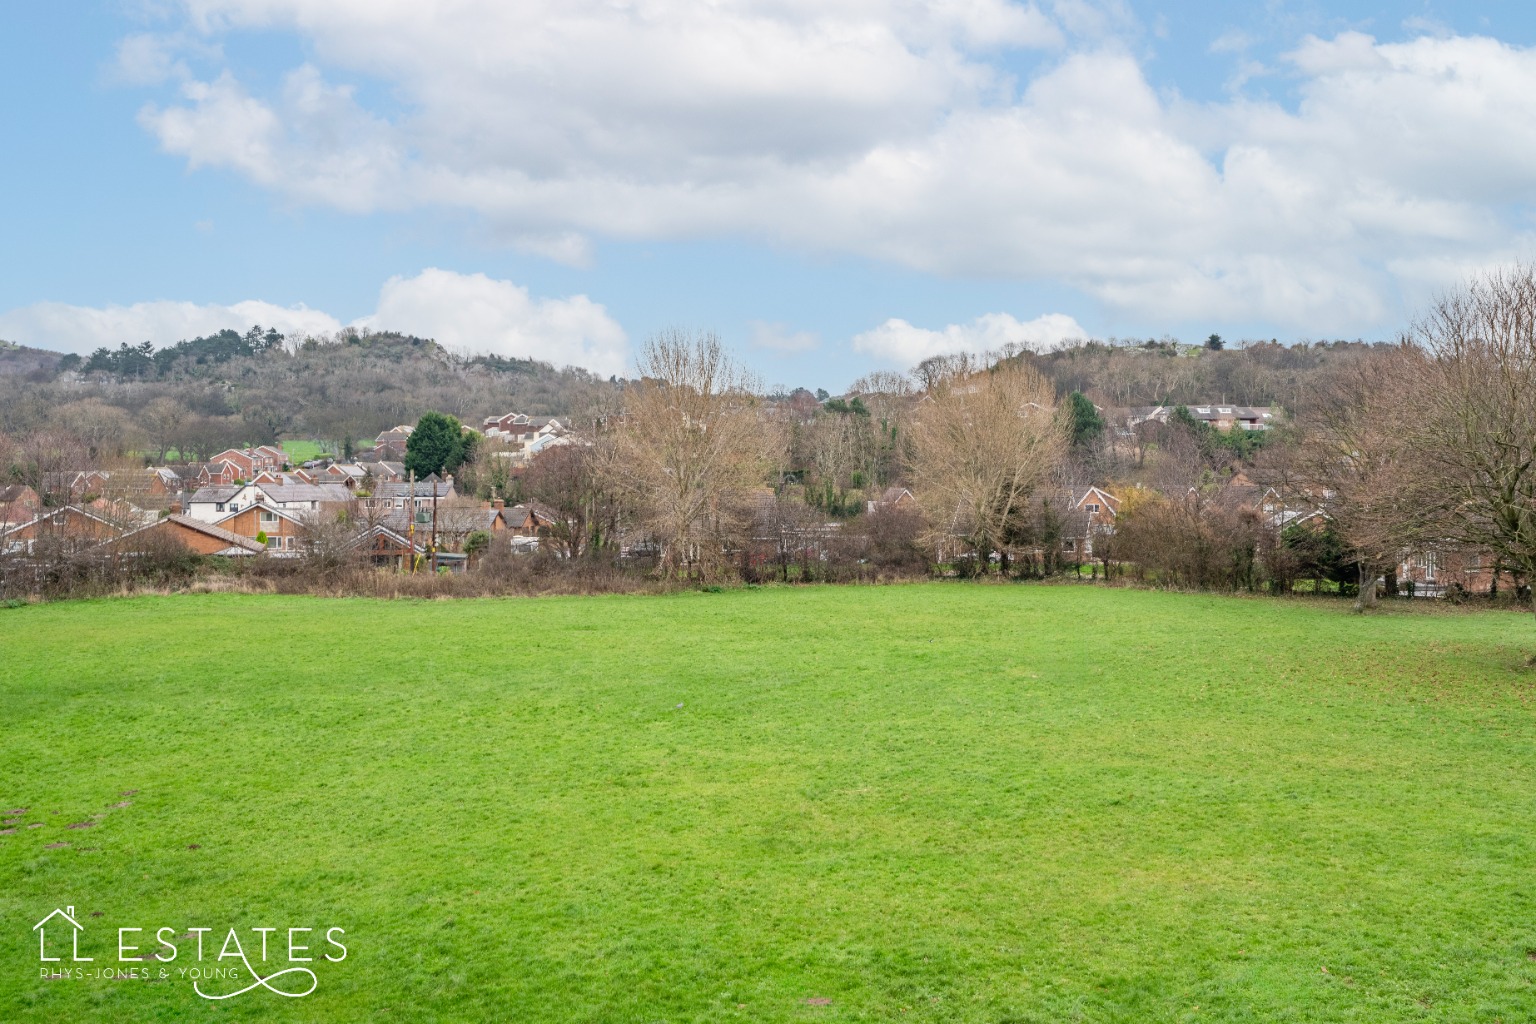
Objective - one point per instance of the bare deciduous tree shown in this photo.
(1476, 438)
(104, 430)
(46, 461)
(564, 479)
(691, 438)
(983, 440)
(163, 419)
(1356, 462)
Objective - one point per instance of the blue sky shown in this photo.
(834, 187)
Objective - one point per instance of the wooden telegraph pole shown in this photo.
(434, 524)
(410, 533)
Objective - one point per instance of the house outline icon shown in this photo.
(68, 914)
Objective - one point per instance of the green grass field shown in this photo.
(303, 451)
(944, 802)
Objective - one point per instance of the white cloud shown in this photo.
(467, 312)
(905, 345)
(475, 313)
(780, 338)
(899, 132)
(147, 59)
(65, 328)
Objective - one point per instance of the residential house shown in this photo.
(246, 465)
(348, 474)
(891, 497)
(525, 435)
(70, 486)
(212, 504)
(212, 474)
(1448, 567)
(198, 536)
(278, 457)
(18, 503)
(1276, 511)
(283, 531)
(394, 494)
(387, 547)
(1090, 513)
(390, 444)
(456, 520)
(1222, 417)
(71, 526)
(287, 478)
(526, 520)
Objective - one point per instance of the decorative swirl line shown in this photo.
(261, 982)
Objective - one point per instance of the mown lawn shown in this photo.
(303, 451)
(928, 803)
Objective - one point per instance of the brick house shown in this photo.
(200, 537)
(72, 526)
(1448, 567)
(18, 503)
(283, 530)
(1090, 513)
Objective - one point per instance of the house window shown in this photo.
(219, 507)
(1474, 563)
(1094, 507)
(274, 542)
(268, 517)
(1429, 567)
(1069, 545)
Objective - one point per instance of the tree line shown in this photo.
(693, 472)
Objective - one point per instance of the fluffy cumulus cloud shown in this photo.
(471, 313)
(902, 344)
(902, 132)
(475, 313)
(65, 328)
